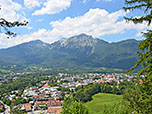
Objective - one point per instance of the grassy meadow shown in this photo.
(97, 105)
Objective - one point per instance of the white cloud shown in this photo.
(53, 7)
(42, 34)
(84, 1)
(104, 0)
(96, 22)
(32, 3)
(29, 27)
(9, 10)
(39, 20)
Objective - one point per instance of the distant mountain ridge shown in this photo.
(77, 52)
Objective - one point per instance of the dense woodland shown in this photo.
(85, 93)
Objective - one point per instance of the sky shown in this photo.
(52, 20)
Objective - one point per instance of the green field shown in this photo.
(4, 71)
(97, 105)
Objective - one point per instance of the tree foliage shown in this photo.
(139, 4)
(85, 93)
(5, 26)
(71, 106)
(145, 46)
(16, 110)
(139, 99)
(118, 108)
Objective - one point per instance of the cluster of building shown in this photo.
(3, 81)
(46, 99)
(85, 79)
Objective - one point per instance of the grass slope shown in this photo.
(97, 105)
(4, 71)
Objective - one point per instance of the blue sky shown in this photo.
(51, 20)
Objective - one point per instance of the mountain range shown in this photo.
(77, 52)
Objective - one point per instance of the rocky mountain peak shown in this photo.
(81, 40)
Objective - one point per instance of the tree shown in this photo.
(117, 108)
(138, 4)
(16, 110)
(145, 46)
(6, 25)
(73, 107)
(139, 99)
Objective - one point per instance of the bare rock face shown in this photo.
(81, 40)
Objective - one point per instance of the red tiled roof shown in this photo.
(50, 105)
(62, 102)
(57, 101)
(55, 110)
(13, 100)
(48, 101)
(46, 86)
(1, 106)
(121, 80)
(140, 80)
(44, 81)
(38, 102)
(27, 107)
(92, 82)
(101, 81)
(52, 101)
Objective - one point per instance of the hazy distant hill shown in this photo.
(76, 52)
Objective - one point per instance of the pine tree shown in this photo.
(6, 25)
(71, 106)
(146, 5)
(139, 99)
